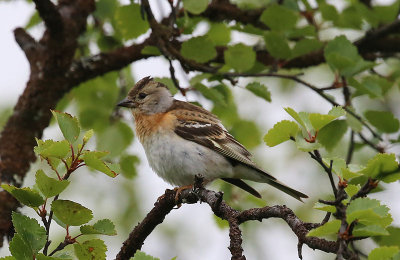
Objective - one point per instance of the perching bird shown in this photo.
(182, 140)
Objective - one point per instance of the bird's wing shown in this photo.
(200, 126)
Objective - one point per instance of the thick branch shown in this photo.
(51, 17)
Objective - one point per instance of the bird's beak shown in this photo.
(126, 103)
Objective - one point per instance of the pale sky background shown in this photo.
(197, 237)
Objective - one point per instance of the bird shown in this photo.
(182, 140)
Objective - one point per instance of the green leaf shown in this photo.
(102, 227)
(240, 57)
(169, 83)
(139, 255)
(337, 111)
(338, 165)
(342, 55)
(44, 257)
(115, 139)
(219, 34)
(305, 46)
(87, 136)
(48, 186)
(368, 231)
(353, 122)
(331, 134)
(368, 212)
(71, 213)
(195, 6)
(26, 195)
(130, 22)
(382, 167)
(199, 49)
(329, 228)
(277, 45)
(93, 249)
(352, 189)
(259, 90)
(247, 133)
(318, 121)
(328, 12)
(295, 116)
(128, 165)
(383, 121)
(30, 231)
(50, 148)
(393, 239)
(68, 124)
(33, 21)
(279, 18)
(19, 249)
(94, 162)
(281, 132)
(383, 253)
(211, 93)
(324, 207)
(305, 146)
(8, 258)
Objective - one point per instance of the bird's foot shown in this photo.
(178, 191)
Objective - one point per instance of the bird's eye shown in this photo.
(142, 95)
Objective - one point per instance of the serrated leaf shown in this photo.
(383, 253)
(50, 148)
(324, 207)
(353, 122)
(130, 22)
(368, 212)
(68, 124)
(259, 90)
(338, 165)
(328, 12)
(8, 258)
(71, 213)
(393, 239)
(368, 231)
(26, 196)
(139, 255)
(329, 228)
(295, 116)
(279, 18)
(281, 132)
(19, 249)
(277, 45)
(195, 6)
(337, 111)
(30, 231)
(383, 121)
(48, 186)
(331, 134)
(128, 165)
(94, 162)
(219, 34)
(102, 227)
(240, 57)
(382, 167)
(93, 249)
(199, 49)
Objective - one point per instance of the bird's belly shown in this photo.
(177, 160)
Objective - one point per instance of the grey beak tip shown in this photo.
(124, 103)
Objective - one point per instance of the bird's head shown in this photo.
(148, 97)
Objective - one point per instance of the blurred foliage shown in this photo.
(285, 30)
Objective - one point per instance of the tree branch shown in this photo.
(222, 210)
(51, 17)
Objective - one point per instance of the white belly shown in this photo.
(177, 160)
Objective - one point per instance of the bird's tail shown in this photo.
(280, 186)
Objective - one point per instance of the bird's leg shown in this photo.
(179, 190)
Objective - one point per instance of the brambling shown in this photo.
(182, 140)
